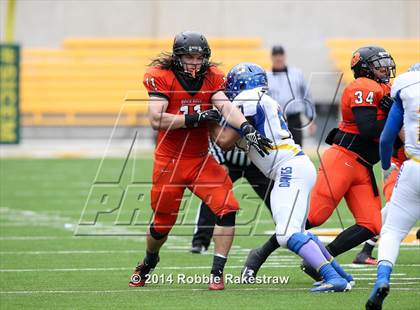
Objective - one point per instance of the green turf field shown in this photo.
(44, 265)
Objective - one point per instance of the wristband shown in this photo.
(245, 128)
(191, 120)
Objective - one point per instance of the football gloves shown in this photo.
(194, 119)
(386, 103)
(258, 141)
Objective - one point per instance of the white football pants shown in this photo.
(290, 196)
(403, 211)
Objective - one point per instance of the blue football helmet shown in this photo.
(245, 75)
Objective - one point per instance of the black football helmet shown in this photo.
(190, 42)
(367, 58)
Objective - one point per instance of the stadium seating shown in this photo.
(404, 51)
(85, 82)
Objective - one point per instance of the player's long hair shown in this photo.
(166, 61)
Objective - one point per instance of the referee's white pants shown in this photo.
(290, 196)
(403, 211)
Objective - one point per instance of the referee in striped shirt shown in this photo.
(288, 87)
(238, 165)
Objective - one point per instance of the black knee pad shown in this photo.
(156, 235)
(226, 220)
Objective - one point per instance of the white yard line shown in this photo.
(16, 238)
(72, 237)
(130, 268)
(66, 269)
(26, 238)
(160, 289)
(398, 283)
(45, 219)
(268, 265)
(374, 278)
(272, 262)
(68, 252)
(233, 253)
(374, 274)
(172, 239)
(30, 217)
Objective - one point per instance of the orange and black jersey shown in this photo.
(362, 118)
(362, 92)
(184, 142)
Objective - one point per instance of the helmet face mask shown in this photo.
(186, 47)
(383, 67)
(374, 63)
(192, 63)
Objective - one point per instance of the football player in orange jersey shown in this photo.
(183, 87)
(346, 169)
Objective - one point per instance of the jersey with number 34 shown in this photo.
(362, 92)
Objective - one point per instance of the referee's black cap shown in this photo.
(277, 50)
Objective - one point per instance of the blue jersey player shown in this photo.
(403, 211)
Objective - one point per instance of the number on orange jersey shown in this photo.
(359, 97)
(185, 109)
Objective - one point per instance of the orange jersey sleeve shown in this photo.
(157, 83)
(362, 92)
(217, 79)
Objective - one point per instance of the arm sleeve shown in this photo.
(370, 128)
(156, 84)
(392, 127)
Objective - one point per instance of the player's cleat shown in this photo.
(348, 277)
(333, 285)
(140, 275)
(198, 249)
(376, 298)
(251, 267)
(248, 275)
(352, 283)
(217, 283)
(365, 259)
(318, 283)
